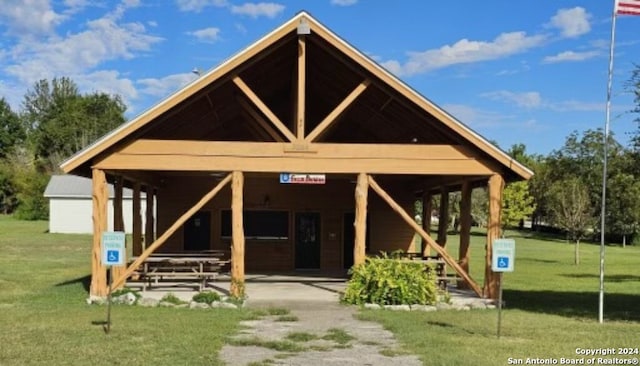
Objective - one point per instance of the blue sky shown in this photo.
(515, 71)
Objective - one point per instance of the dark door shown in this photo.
(349, 237)
(197, 231)
(307, 240)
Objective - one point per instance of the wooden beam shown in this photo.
(427, 207)
(263, 108)
(149, 231)
(172, 229)
(136, 232)
(443, 217)
(332, 117)
(496, 185)
(277, 157)
(237, 241)
(100, 196)
(118, 219)
(359, 245)
(465, 228)
(449, 260)
(302, 73)
(266, 126)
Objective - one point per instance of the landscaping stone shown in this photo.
(166, 304)
(372, 306)
(398, 307)
(198, 305)
(224, 305)
(148, 302)
(125, 299)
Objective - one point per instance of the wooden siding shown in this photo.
(387, 231)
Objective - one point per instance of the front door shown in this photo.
(307, 240)
(197, 232)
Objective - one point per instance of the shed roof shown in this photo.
(389, 112)
(71, 186)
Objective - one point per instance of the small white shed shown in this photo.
(71, 205)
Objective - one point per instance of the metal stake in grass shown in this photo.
(499, 302)
(107, 327)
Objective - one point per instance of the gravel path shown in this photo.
(347, 341)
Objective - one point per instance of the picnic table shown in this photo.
(199, 266)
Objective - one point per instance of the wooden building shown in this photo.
(300, 104)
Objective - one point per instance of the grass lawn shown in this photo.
(44, 319)
(551, 308)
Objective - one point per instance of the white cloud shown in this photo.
(256, 10)
(572, 22)
(198, 5)
(474, 117)
(526, 99)
(465, 51)
(107, 81)
(207, 35)
(164, 86)
(570, 56)
(344, 2)
(577, 106)
(27, 18)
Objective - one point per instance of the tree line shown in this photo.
(55, 121)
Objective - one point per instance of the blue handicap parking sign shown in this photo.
(503, 262)
(113, 256)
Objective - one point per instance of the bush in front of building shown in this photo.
(386, 281)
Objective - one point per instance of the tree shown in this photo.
(623, 205)
(12, 131)
(61, 121)
(571, 210)
(517, 204)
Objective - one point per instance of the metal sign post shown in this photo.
(112, 255)
(502, 258)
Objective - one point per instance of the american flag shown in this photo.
(628, 7)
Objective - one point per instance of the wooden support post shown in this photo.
(237, 241)
(443, 219)
(496, 185)
(300, 110)
(172, 229)
(100, 195)
(427, 207)
(359, 245)
(118, 219)
(136, 232)
(465, 228)
(448, 259)
(149, 230)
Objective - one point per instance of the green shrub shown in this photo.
(387, 281)
(206, 297)
(172, 299)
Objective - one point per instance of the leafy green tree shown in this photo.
(623, 205)
(61, 121)
(12, 131)
(571, 210)
(517, 204)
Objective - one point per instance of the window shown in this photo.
(261, 225)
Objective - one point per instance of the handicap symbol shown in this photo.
(503, 262)
(112, 256)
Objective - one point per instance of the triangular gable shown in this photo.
(264, 43)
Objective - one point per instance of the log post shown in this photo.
(237, 241)
(496, 185)
(427, 207)
(301, 104)
(465, 229)
(149, 231)
(446, 257)
(118, 219)
(100, 196)
(136, 232)
(359, 245)
(443, 219)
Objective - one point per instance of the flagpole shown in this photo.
(604, 165)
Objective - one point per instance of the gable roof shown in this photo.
(101, 146)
